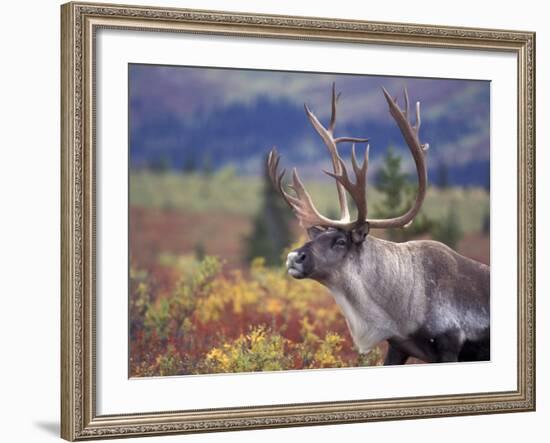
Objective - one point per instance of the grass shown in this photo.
(224, 192)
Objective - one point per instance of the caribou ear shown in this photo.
(359, 233)
(314, 232)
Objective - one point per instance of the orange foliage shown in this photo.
(198, 317)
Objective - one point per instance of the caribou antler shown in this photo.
(302, 203)
(418, 151)
(357, 190)
(327, 135)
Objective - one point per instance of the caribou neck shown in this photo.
(375, 288)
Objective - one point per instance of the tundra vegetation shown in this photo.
(206, 298)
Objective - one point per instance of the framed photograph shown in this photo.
(283, 221)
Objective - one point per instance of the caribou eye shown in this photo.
(340, 242)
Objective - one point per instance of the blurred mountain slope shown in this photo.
(209, 118)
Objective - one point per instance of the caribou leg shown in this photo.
(395, 356)
(448, 346)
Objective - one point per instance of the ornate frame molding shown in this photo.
(79, 24)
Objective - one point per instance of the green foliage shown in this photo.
(157, 317)
(185, 192)
(486, 226)
(160, 165)
(207, 164)
(271, 232)
(190, 164)
(448, 230)
(442, 176)
(373, 358)
(169, 313)
(190, 288)
(169, 363)
(327, 354)
(397, 193)
(232, 194)
(259, 350)
(200, 252)
(141, 300)
(391, 182)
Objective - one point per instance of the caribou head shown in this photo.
(332, 240)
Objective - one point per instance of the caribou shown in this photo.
(423, 298)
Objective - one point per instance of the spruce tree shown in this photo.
(486, 224)
(448, 230)
(391, 181)
(160, 165)
(189, 164)
(271, 232)
(443, 175)
(398, 191)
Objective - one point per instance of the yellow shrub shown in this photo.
(197, 326)
(327, 354)
(260, 350)
(169, 363)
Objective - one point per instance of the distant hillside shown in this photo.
(240, 133)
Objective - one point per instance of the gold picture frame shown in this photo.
(79, 22)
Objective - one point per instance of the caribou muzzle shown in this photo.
(299, 263)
